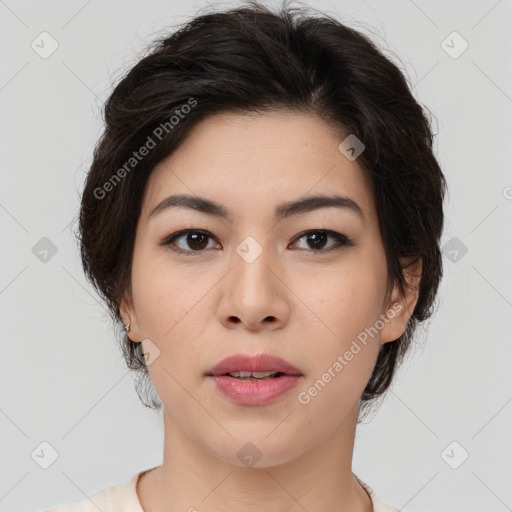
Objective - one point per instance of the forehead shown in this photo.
(252, 162)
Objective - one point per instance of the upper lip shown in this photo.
(253, 363)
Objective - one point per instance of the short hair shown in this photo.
(254, 59)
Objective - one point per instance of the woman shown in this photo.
(263, 215)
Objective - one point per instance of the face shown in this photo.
(308, 286)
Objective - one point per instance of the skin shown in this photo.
(201, 308)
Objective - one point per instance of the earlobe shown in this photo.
(401, 307)
(128, 317)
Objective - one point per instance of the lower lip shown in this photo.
(254, 392)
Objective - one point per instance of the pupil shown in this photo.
(314, 237)
(191, 239)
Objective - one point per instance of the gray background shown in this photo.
(63, 380)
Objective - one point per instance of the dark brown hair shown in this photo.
(252, 59)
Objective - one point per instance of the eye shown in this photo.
(316, 240)
(197, 241)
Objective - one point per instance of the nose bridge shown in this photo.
(252, 294)
(251, 273)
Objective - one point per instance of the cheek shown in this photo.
(171, 313)
(346, 304)
(161, 294)
(342, 302)
(341, 370)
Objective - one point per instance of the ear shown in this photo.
(399, 309)
(129, 317)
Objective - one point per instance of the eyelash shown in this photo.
(341, 239)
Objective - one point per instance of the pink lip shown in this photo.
(254, 392)
(256, 363)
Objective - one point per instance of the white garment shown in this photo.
(124, 498)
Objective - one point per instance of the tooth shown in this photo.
(257, 375)
(260, 375)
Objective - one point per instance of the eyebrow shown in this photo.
(282, 211)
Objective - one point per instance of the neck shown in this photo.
(192, 477)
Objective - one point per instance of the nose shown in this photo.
(253, 294)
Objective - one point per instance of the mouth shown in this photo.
(253, 367)
(254, 376)
(254, 380)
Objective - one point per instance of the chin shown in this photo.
(257, 451)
